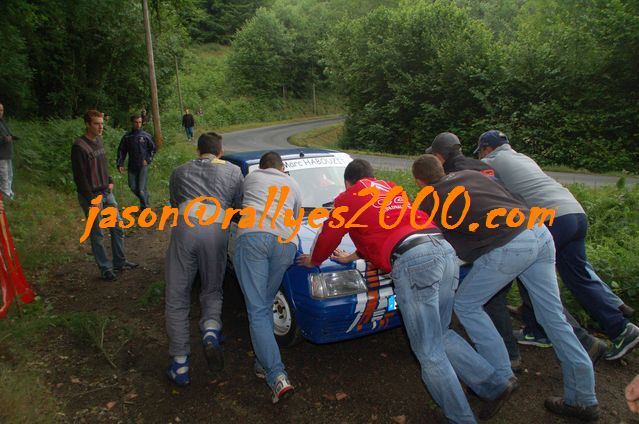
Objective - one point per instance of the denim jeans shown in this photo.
(425, 278)
(189, 132)
(6, 177)
(569, 233)
(97, 236)
(532, 326)
(260, 263)
(497, 310)
(530, 256)
(137, 184)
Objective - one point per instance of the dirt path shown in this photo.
(378, 375)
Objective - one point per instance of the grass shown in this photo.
(24, 397)
(154, 294)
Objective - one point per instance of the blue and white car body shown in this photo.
(334, 301)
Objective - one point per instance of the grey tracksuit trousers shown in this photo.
(200, 248)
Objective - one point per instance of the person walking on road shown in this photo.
(188, 122)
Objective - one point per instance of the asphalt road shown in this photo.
(276, 137)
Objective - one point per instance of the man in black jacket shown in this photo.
(138, 144)
(447, 148)
(188, 122)
(490, 231)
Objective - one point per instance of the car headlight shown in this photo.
(334, 284)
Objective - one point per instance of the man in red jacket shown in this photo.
(424, 269)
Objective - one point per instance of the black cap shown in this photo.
(444, 143)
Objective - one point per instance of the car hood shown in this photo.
(307, 235)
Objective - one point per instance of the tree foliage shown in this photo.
(561, 77)
(215, 21)
(82, 55)
(411, 72)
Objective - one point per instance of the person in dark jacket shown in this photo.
(95, 189)
(6, 156)
(500, 250)
(447, 148)
(188, 122)
(138, 144)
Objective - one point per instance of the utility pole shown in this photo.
(177, 79)
(155, 108)
(314, 101)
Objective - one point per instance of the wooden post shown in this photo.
(314, 101)
(177, 79)
(155, 108)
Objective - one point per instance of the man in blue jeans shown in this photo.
(424, 270)
(139, 146)
(524, 178)
(261, 258)
(95, 189)
(480, 230)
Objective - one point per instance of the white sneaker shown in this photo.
(281, 389)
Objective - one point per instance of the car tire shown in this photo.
(287, 332)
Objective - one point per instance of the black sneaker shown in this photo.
(556, 405)
(627, 311)
(109, 275)
(212, 350)
(597, 350)
(624, 343)
(491, 407)
(126, 265)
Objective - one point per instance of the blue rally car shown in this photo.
(331, 302)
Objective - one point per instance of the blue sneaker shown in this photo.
(211, 341)
(178, 372)
(529, 339)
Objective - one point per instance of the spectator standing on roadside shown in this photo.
(188, 122)
(521, 176)
(500, 252)
(199, 248)
(6, 156)
(139, 146)
(92, 180)
(260, 263)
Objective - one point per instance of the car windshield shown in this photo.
(319, 186)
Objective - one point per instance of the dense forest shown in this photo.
(561, 77)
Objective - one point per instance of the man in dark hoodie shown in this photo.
(447, 148)
(94, 186)
(501, 251)
(138, 144)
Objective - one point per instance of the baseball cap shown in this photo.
(492, 138)
(443, 143)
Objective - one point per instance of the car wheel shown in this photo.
(287, 332)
